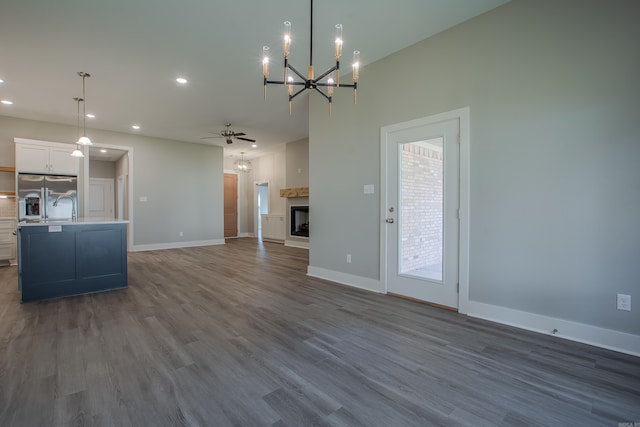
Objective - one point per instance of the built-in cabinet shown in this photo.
(272, 227)
(45, 157)
(8, 190)
(7, 239)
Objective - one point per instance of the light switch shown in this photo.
(369, 189)
(143, 198)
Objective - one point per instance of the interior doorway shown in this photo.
(114, 163)
(262, 205)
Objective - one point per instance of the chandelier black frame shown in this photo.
(309, 81)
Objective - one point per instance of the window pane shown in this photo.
(422, 209)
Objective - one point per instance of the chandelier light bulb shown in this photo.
(265, 61)
(338, 41)
(286, 44)
(356, 65)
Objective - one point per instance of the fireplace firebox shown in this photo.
(299, 220)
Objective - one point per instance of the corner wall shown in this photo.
(555, 189)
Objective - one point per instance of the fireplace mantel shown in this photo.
(294, 192)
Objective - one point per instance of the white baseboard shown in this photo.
(177, 245)
(296, 244)
(359, 282)
(587, 334)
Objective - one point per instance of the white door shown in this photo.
(101, 197)
(420, 208)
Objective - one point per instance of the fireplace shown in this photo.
(299, 220)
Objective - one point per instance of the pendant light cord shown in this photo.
(84, 111)
(311, 37)
(78, 102)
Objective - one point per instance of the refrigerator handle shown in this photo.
(44, 199)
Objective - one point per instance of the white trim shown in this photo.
(177, 245)
(85, 185)
(461, 114)
(255, 215)
(359, 282)
(587, 334)
(296, 244)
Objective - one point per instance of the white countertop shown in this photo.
(79, 221)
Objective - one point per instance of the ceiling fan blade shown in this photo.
(239, 134)
(246, 139)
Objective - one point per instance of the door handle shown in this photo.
(389, 220)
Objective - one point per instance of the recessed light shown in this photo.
(91, 116)
(102, 150)
(7, 102)
(181, 80)
(1, 81)
(254, 145)
(136, 127)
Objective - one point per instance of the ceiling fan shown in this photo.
(230, 135)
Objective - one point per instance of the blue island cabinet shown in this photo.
(71, 259)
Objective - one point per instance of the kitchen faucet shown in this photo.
(71, 196)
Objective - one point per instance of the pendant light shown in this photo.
(84, 139)
(77, 152)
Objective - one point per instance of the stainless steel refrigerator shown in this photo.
(47, 197)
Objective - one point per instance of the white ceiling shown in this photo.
(134, 50)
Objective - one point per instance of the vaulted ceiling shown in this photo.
(135, 50)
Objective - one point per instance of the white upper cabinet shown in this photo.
(45, 157)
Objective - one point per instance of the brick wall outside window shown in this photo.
(422, 207)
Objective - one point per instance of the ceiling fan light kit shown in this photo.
(329, 80)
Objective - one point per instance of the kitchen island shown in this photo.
(59, 258)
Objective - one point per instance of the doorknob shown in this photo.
(389, 220)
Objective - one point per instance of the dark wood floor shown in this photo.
(238, 335)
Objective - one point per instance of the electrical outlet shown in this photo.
(624, 302)
(181, 234)
(348, 258)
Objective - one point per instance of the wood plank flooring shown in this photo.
(238, 335)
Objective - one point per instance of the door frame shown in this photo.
(461, 114)
(84, 166)
(256, 217)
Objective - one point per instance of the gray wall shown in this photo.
(297, 164)
(102, 169)
(182, 181)
(297, 175)
(553, 89)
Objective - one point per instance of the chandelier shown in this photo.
(329, 80)
(242, 165)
